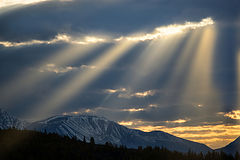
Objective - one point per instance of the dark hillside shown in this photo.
(24, 144)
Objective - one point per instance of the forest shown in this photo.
(32, 145)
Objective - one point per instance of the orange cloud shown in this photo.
(233, 114)
(215, 136)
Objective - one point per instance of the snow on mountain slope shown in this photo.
(104, 131)
(232, 147)
(9, 121)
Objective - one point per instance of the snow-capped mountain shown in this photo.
(9, 121)
(104, 130)
(232, 147)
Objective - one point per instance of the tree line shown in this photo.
(28, 145)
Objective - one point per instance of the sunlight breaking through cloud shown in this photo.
(6, 3)
(60, 69)
(133, 109)
(170, 30)
(56, 69)
(137, 94)
(58, 38)
(81, 80)
(127, 93)
(29, 79)
(159, 32)
(205, 91)
(111, 91)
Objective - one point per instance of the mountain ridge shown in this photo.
(9, 121)
(104, 130)
(232, 147)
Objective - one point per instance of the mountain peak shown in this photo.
(9, 121)
(104, 130)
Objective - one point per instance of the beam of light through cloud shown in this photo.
(82, 79)
(153, 58)
(27, 80)
(160, 32)
(238, 76)
(199, 86)
(185, 57)
(59, 38)
(158, 52)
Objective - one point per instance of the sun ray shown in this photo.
(27, 80)
(199, 86)
(185, 57)
(238, 77)
(154, 56)
(82, 79)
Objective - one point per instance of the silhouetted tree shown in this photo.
(92, 140)
(140, 148)
(84, 140)
(237, 157)
(36, 145)
(74, 138)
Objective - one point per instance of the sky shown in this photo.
(164, 65)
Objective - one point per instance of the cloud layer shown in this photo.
(144, 64)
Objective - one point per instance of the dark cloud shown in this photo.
(79, 18)
(45, 20)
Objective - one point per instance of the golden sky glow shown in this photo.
(125, 123)
(133, 109)
(177, 121)
(233, 114)
(215, 136)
